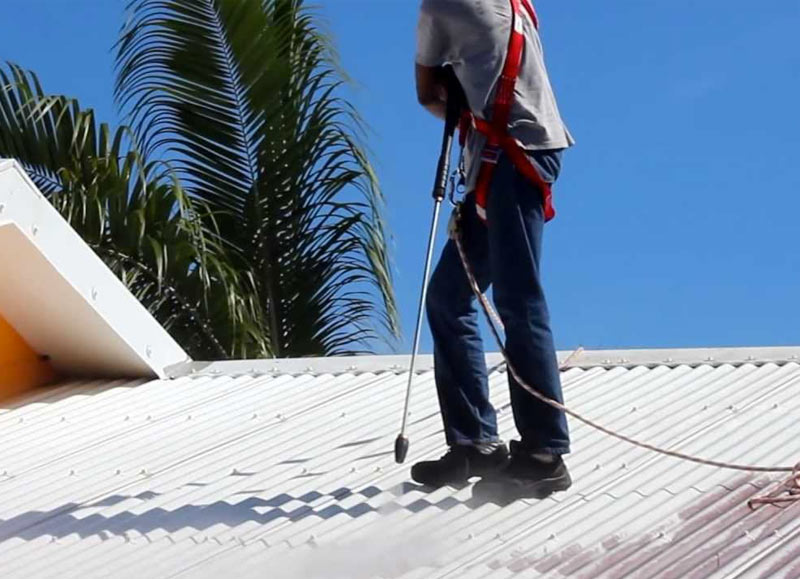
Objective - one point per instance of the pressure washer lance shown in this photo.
(455, 102)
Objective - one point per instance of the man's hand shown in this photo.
(432, 90)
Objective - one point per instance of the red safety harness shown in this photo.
(498, 139)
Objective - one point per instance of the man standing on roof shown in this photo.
(512, 155)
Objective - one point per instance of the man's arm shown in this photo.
(431, 90)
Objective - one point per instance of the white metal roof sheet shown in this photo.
(292, 475)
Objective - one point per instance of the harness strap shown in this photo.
(498, 139)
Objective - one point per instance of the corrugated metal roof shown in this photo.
(291, 476)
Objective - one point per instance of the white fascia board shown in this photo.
(581, 359)
(64, 301)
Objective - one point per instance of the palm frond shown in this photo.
(242, 98)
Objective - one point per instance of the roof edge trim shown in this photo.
(585, 359)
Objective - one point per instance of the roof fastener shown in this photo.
(35, 230)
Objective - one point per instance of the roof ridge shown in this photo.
(586, 359)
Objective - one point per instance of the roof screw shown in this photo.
(72, 472)
(144, 472)
(94, 294)
(189, 417)
(304, 471)
(596, 467)
(234, 472)
(775, 406)
(669, 361)
(470, 536)
(118, 471)
(63, 419)
(378, 469)
(352, 368)
(634, 409)
(705, 407)
(35, 230)
(21, 420)
(624, 466)
(127, 418)
(552, 537)
(255, 415)
(309, 369)
(607, 362)
(352, 469)
(710, 359)
(751, 358)
(343, 415)
(149, 351)
(2, 207)
(149, 417)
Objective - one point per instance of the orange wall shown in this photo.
(21, 368)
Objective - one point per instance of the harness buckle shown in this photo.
(491, 154)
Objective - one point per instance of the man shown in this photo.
(501, 224)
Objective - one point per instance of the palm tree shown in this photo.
(238, 202)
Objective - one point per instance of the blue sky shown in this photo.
(678, 209)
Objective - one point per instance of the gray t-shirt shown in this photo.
(472, 36)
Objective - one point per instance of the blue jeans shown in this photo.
(505, 254)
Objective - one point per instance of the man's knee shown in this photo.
(521, 311)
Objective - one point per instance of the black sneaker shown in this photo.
(524, 477)
(459, 464)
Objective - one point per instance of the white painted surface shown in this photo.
(62, 298)
(279, 476)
